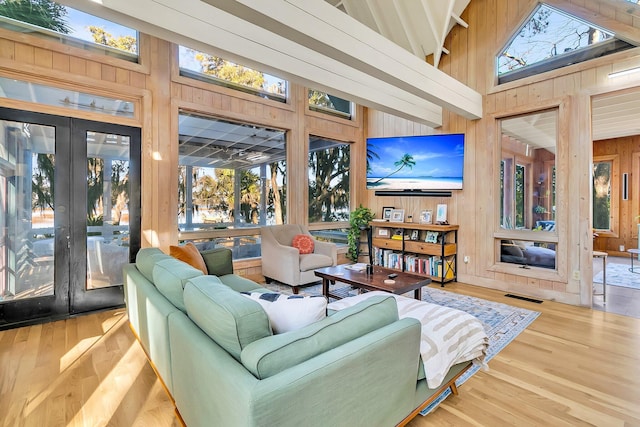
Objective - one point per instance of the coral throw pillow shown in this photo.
(189, 253)
(304, 243)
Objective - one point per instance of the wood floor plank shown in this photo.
(571, 367)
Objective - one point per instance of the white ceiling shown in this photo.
(616, 115)
(418, 26)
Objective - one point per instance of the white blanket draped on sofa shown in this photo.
(449, 336)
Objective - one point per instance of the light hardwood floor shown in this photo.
(573, 366)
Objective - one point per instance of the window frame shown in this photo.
(614, 210)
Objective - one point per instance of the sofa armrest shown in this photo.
(273, 354)
(327, 248)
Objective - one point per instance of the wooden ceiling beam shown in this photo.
(329, 32)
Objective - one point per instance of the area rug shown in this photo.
(619, 275)
(502, 322)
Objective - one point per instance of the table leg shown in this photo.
(325, 287)
(417, 294)
(604, 278)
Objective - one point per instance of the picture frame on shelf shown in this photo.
(382, 232)
(414, 235)
(432, 237)
(386, 212)
(441, 214)
(397, 215)
(425, 216)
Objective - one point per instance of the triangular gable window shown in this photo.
(552, 39)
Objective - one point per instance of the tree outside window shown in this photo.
(329, 167)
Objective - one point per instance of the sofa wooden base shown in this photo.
(155, 370)
(449, 384)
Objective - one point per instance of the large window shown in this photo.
(329, 166)
(329, 104)
(213, 69)
(53, 21)
(231, 176)
(551, 39)
(527, 188)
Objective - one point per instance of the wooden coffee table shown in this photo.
(404, 282)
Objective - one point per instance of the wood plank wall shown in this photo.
(476, 207)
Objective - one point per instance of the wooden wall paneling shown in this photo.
(122, 76)
(43, 58)
(297, 155)
(136, 80)
(472, 35)
(78, 65)
(148, 199)
(24, 53)
(160, 174)
(61, 62)
(7, 49)
(108, 73)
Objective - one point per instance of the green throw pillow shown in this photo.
(218, 260)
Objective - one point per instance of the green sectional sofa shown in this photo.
(214, 350)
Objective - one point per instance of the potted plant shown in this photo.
(358, 220)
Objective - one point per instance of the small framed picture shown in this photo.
(414, 235)
(441, 214)
(397, 215)
(425, 217)
(432, 237)
(382, 232)
(386, 212)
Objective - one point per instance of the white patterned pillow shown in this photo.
(290, 312)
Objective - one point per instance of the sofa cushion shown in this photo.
(189, 253)
(290, 312)
(241, 284)
(146, 259)
(219, 261)
(170, 276)
(303, 243)
(314, 261)
(270, 355)
(230, 319)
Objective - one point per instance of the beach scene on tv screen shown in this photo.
(431, 162)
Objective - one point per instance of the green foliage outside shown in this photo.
(602, 195)
(329, 184)
(43, 13)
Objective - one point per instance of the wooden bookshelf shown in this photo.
(426, 249)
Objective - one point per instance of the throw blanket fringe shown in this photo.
(448, 337)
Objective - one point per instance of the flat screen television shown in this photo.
(425, 162)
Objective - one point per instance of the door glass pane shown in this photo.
(26, 210)
(107, 208)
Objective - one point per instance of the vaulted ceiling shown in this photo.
(418, 26)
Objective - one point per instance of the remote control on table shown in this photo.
(392, 275)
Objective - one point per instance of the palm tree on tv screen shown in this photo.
(406, 160)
